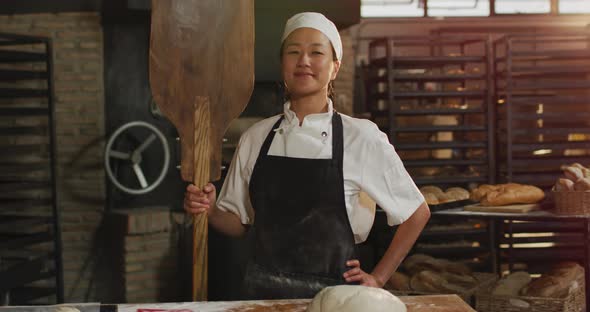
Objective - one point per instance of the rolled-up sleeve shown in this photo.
(234, 196)
(386, 180)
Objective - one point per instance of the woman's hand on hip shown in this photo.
(356, 274)
(197, 201)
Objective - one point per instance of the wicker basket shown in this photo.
(484, 281)
(572, 202)
(574, 302)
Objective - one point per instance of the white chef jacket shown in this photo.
(370, 164)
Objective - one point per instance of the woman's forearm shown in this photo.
(227, 223)
(400, 245)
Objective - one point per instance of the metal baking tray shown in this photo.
(453, 204)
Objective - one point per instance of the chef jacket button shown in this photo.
(280, 131)
(324, 134)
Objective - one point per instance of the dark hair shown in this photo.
(331, 93)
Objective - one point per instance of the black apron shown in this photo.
(303, 237)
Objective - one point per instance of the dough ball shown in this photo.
(349, 298)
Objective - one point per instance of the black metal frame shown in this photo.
(434, 61)
(538, 78)
(34, 266)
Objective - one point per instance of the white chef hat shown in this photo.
(316, 21)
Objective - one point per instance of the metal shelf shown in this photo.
(544, 71)
(432, 94)
(526, 147)
(469, 232)
(12, 131)
(440, 128)
(438, 111)
(439, 145)
(24, 111)
(29, 216)
(23, 93)
(20, 224)
(18, 241)
(10, 187)
(448, 180)
(551, 116)
(430, 78)
(551, 100)
(564, 131)
(445, 162)
(427, 61)
(548, 254)
(547, 55)
(17, 75)
(553, 85)
(20, 56)
(27, 294)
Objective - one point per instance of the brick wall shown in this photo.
(144, 257)
(78, 76)
(344, 83)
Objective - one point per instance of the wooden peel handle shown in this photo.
(201, 176)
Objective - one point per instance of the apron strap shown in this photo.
(337, 140)
(268, 141)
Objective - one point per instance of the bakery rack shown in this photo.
(30, 244)
(543, 101)
(432, 95)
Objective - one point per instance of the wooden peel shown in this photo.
(201, 77)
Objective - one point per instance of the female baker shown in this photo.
(296, 178)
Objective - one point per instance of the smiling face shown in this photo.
(308, 63)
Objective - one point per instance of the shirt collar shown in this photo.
(292, 119)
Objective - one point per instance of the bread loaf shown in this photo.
(458, 193)
(431, 199)
(573, 173)
(418, 262)
(567, 269)
(434, 195)
(513, 193)
(398, 281)
(512, 284)
(431, 189)
(582, 184)
(429, 281)
(481, 191)
(564, 185)
(557, 283)
(547, 286)
(457, 268)
(459, 279)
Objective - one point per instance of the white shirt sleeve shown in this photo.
(235, 194)
(385, 179)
